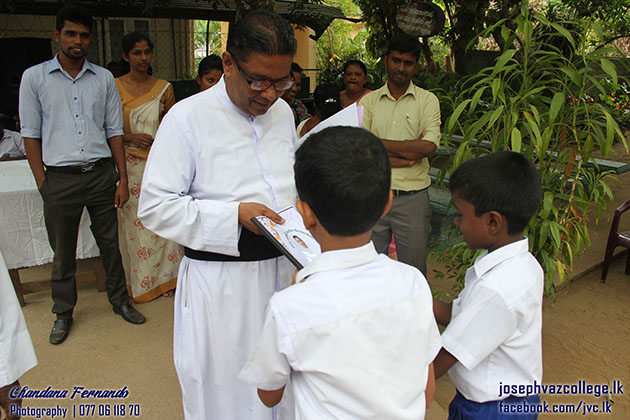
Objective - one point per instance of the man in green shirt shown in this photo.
(407, 120)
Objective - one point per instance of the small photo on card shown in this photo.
(291, 237)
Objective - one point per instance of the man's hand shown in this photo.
(398, 162)
(122, 194)
(143, 141)
(248, 210)
(413, 149)
(39, 180)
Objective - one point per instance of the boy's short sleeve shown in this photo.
(435, 342)
(480, 326)
(267, 367)
(433, 332)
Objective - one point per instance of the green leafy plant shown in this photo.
(534, 101)
(617, 101)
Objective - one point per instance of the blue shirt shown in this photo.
(73, 117)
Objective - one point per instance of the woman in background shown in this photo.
(354, 78)
(327, 103)
(209, 72)
(150, 262)
(300, 112)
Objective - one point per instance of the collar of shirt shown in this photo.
(54, 64)
(384, 91)
(486, 261)
(339, 259)
(225, 99)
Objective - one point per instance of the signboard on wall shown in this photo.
(420, 19)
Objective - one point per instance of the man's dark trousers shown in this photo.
(65, 195)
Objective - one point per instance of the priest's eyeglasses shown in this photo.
(263, 84)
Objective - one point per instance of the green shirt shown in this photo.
(417, 110)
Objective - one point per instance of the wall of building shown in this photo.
(172, 56)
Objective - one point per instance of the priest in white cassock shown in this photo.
(219, 158)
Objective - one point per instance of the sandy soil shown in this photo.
(586, 336)
(586, 330)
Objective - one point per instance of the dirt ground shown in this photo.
(586, 336)
(586, 329)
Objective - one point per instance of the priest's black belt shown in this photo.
(251, 246)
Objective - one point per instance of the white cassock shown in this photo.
(16, 349)
(208, 156)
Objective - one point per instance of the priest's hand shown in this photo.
(248, 210)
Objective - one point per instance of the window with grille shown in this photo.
(116, 34)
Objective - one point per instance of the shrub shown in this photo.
(523, 104)
(617, 100)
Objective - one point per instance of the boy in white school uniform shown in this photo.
(356, 333)
(492, 341)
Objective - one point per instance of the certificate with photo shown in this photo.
(291, 237)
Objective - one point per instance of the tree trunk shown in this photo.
(428, 56)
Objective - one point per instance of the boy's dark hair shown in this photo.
(404, 43)
(506, 182)
(73, 13)
(262, 32)
(327, 101)
(343, 174)
(211, 62)
(132, 38)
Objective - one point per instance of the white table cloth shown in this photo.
(23, 236)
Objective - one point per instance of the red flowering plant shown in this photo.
(617, 100)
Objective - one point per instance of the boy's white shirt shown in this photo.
(496, 324)
(356, 338)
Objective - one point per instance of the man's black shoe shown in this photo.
(129, 313)
(61, 329)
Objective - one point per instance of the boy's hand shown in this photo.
(248, 210)
(270, 398)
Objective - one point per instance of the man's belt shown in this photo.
(79, 169)
(398, 193)
(251, 246)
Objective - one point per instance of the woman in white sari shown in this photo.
(150, 262)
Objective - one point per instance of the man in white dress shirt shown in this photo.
(219, 158)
